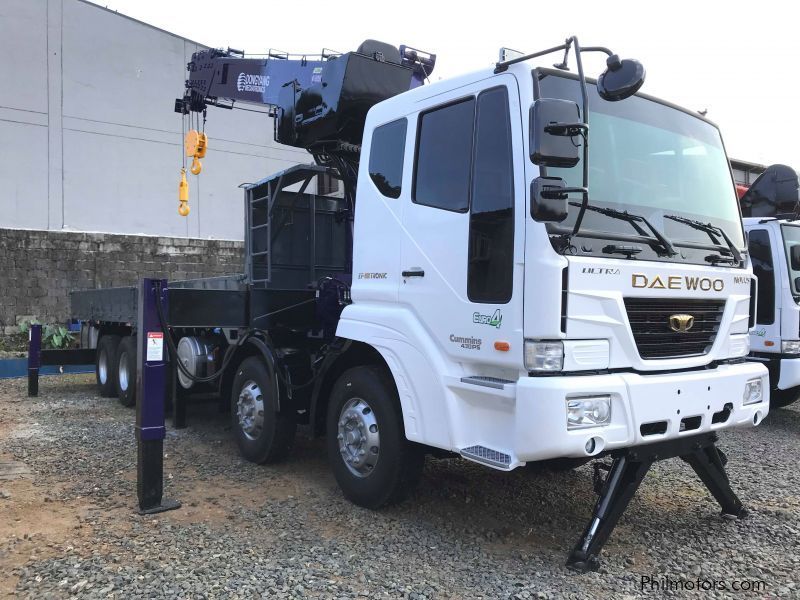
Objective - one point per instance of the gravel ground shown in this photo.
(68, 528)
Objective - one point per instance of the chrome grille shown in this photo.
(649, 319)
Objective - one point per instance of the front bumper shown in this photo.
(681, 404)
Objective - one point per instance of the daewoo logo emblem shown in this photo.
(681, 323)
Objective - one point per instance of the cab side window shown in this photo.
(386, 155)
(761, 255)
(444, 153)
(491, 222)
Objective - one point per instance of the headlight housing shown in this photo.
(588, 411)
(790, 347)
(753, 392)
(544, 357)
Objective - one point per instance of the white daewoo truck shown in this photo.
(770, 209)
(531, 268)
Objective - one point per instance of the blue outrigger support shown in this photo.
(151, 381)
(34, 359)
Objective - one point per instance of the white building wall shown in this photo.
(89, 138)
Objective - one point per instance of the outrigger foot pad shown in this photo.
(159, 508)
(626, 473)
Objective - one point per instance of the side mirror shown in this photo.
(553, 123)
(794, 256)
(549, 200)
(621, 79)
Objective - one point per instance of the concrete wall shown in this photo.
(40, 268)
(89, 138)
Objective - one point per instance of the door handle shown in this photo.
(414, 272)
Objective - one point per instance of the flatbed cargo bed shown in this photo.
(208, 303)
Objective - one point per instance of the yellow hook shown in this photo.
(197, 166)
(183, 195)
(183, 187)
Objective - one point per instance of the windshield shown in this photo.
(654, 161)
(791, 238)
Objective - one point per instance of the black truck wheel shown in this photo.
(126, 371)
(263, 433)
(781, 398)
(105, 366)
(373, 462)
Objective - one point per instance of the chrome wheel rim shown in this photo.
(123, 371)
(102, 368)
(250, 410)
(359, 437)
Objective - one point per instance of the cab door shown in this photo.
(461, 255)
(766, 335)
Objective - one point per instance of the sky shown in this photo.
(734, 59)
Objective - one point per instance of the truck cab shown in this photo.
(511, 340)
(773, 239)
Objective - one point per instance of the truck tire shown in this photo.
(105, 365)
(781, 398)
(126, 371)
(373, 462)
(263, 433)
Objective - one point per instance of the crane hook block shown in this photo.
(183, 187)
(196, 167)
(196, 143)
(183, 195)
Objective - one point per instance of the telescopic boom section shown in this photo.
(320, 103)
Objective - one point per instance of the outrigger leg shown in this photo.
(626, 473)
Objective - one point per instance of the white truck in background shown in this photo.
(770, 210)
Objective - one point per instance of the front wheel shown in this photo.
(781, 398)
(263, 433)
(373, 462)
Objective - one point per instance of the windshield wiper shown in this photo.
(735, 257)
(623, 215)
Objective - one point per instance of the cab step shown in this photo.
(487, 456)
(490, 382)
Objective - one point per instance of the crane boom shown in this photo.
(316, 100)
(222, 77)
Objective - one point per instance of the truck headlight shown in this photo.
(589, 411)
(544, 356)
(753, 393)
(790, 347)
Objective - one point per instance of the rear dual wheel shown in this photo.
(105, 365)
(126, 371)
(115, 368)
